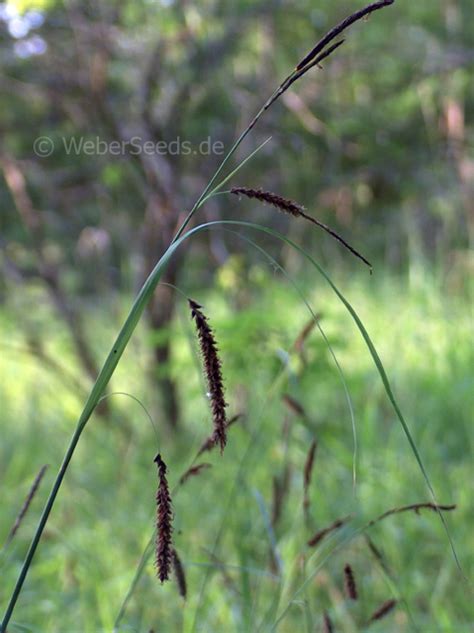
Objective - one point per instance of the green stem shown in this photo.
(39, 530)
(121, 342)
(202, 198)
(98, 389)
(114, 356)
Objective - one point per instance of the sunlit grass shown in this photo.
(104, 515)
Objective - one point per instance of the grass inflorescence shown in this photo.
(327, 623)
(296, 210)
(166, 557)
(179, 574)
(382, 611)
(26, 504)
(350, 585)
(321, 534)
(213, 372)
(164, 523)
(307, 474)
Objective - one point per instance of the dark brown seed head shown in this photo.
(321, 534)
(193, 471)
(414, 507)
(323, 49)
(280, 485)
(294, 406)
(284, 204)
(350, 583)
(212, 369)
(164, 519)
(24, 509)
(337, 30)
(179, 574)
(327, 624)
(308, 470)
(296, 210)
(382, 611)
(298, 345)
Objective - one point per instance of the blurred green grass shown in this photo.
(105, 512)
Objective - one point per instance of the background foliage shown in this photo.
(378, 144)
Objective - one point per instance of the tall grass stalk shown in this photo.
(311, 60)
(252, 443)
(148, 551)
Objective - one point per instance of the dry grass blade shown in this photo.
(337, 30)
(24, 509)
(296, 210)
(212, 368)
(350, 585)
(164, 528)
(321, 534)
(193, 471)
(308, 471)
(382, 611)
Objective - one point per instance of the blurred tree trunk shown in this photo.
(169, 95)
(49, 272)
(158, 231)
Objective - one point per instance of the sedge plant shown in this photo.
(322, 50)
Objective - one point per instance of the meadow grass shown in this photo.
(212, 364)
(243, 573)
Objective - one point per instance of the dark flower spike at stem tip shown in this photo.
(212, 370)
(24, 509)
(164, 527)
(350, 585)
(308, 471)
(179, 575)
(342, 26)
(321, 534)
(327, 623)
(383, 611)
